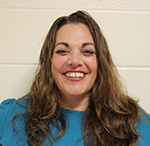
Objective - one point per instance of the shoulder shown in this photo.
(6, 103)
(9, 108)
(12, 105)
(5, 107)
(145, 119)
(143, 128)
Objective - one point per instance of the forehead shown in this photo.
(74, 33)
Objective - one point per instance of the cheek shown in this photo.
(92, 64)
(57, 64)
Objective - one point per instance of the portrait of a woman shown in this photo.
(77, 98)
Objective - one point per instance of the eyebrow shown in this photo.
(67, 45)
(62, 43)
(85, 44)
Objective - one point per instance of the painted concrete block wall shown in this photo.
(24, 25)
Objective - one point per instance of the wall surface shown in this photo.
(24, 25)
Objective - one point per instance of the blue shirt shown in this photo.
(8, 136)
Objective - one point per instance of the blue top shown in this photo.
(8, 136)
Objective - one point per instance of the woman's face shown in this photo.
(74, 62)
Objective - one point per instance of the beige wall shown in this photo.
(24, 24)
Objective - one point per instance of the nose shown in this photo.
(75, 59)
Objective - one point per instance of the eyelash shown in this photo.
(61, 51)
(88, 52)
(85, 52)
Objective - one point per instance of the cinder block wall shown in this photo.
(24, 25)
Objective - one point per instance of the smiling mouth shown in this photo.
(74, 74)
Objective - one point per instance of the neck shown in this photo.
(77, 103)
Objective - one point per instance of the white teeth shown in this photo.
(75, 75)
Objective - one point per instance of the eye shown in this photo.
(62, 51)
(88, 52)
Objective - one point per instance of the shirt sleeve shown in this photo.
(5, 107)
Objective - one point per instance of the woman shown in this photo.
(76, 97)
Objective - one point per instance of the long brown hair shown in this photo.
(111, 116)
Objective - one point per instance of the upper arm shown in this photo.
(5, 107)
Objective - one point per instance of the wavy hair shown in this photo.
(111, 115)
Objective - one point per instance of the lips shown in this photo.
(74, 74)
